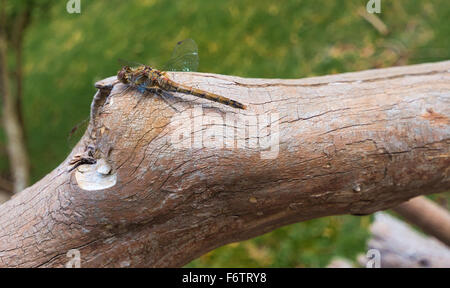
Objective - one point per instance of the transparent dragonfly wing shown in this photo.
(124, 62)
(184, 57)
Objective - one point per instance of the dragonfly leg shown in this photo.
(167, 102)
(160, 92)
(147, 90)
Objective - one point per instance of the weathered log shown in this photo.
(401, 247)
(428, 216)
(164, 190)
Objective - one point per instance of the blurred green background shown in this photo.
(65, 54)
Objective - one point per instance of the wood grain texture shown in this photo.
(428, 216)
(350, 143)
(399, 246)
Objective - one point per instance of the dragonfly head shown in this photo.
(122, 75)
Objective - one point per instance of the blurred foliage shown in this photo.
(65, 54)
(308, 244)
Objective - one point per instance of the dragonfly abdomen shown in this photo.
(175, 87)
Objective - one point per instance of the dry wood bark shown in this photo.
(398, 246)
(351, 143)
(401, 247)
(428, 216)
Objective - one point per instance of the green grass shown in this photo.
(309, 244)
(65, 54)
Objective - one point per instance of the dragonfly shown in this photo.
(144, 79)
(184, 58)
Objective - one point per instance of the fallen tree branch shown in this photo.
(428, 216)
(401, 247)
(172, 182)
